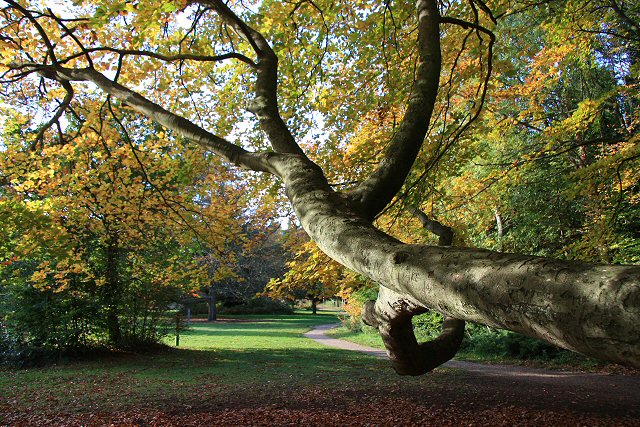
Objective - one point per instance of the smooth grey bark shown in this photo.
(372, 195)
(392, 315)
(589, 308)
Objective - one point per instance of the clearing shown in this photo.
(263, 371)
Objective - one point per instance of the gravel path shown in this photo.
(597, 393)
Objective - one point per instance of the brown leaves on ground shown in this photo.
(459, 400)
(386, 412)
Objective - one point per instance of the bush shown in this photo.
(427, 325)
(353, 308)
(261, 305)
(46, 324)
(491, 343)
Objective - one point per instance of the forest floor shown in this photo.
(264, 372)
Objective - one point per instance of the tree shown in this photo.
(257, 260)
(173, 71)
(79, 265)
(552, 149)
(311, 274)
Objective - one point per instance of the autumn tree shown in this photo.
(103, 233)
(555, 147)
(258, 258)
(316, 77)
(311, 274)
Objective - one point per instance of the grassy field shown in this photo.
(261, 371)
(250, 356)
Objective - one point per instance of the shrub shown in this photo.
(353, 307)
(427, 325)
(260, 305)
(489, 342)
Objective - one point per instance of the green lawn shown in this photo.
(371, 339)
(216, 362)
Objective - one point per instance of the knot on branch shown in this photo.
(392, 318)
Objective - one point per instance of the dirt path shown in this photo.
(577, 392)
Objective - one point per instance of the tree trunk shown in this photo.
(589, 308)
(314, 305)
(112, 294)
(500, 227)
(211, 302)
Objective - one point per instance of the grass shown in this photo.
(258, 355)
(366, 337)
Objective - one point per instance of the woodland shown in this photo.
(478, 159)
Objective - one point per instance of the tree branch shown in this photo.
(391, 314)
(176, 123)
(43, 34)
(163, 57)
(265, 103)
(59, 112)
(73, 37)
(373, 194)
(444, 233)
(631, 25)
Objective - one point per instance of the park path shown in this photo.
(578, 391)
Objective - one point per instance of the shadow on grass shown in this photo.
(258, 365)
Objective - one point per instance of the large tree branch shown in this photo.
(590, 308)
(265, 103)
(391, 314)
(373, 194)
(178, 124)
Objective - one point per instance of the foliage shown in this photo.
(488, 344)
(257, 259)
(101, 235)
(355, 300)
(533, 146)
(551, 166)
(427, 325)
(311, 274)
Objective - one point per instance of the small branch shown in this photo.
(485, 9)
(163, 57)
(631, 25)
(43, 34)
(444, 233)
(255, 39)
(59, 112)
(168, 203)
(60, 22)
